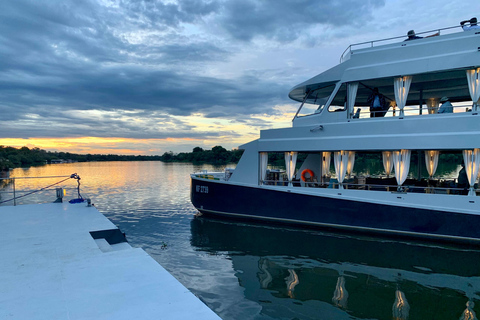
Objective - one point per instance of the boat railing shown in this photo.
(368, 44)
(213, 175)
(433, 187)
(10, 192)
(364, 112)
(403, 188)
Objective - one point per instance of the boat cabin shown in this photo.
(428, 90)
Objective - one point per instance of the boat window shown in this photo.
(339, 103)
(316, 101)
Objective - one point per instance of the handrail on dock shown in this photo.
(36, 177)
(29, 192)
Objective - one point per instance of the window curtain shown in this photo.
(351, 162)
(387, 162)
(263, 166)
(432, 106)
(340, 159)
(471, 158)
(351, 95)
(401, 87)
(474, 86)
(401, 162)
(326, 160)
(290, 163)
(431, 161)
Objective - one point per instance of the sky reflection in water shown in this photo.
(253, 271)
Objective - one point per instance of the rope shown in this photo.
(73, 176)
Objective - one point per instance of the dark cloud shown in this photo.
(288, 20)
(147, 57)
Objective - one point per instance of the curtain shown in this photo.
(263, 166)
(290, 163)
(326, 156)
(474, 86)
(431, 161)
(471, 158)
(387, 162)
(432, 106)
(351, 162)
(340, 159)
(352, 95)
(325, 166)
(401, 162)
(401, 87)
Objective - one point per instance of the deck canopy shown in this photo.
(437, 66)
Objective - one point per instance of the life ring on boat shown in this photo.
(310, 172)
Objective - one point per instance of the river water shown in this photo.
(255, 271)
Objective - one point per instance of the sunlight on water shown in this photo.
(254, 271)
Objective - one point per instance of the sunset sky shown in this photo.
(146, 77)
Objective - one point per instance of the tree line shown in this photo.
(11, 157)
(217, 155)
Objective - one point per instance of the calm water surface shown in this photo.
(253, 271)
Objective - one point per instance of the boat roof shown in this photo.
(428, 60)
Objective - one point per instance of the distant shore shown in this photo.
(25, 157)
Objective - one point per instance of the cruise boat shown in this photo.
(338, 121)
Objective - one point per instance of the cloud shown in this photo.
(140, 68)
(287, 20)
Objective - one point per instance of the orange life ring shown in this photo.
(310, 172)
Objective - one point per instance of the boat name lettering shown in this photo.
(202, 189)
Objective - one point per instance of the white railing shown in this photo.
(373, 43)
(9, 187)
(408, 111)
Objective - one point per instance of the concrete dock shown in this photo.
(68, 261)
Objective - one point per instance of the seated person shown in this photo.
(446, 106)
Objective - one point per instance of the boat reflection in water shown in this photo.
(308, 274)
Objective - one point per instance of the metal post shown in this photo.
(419, 168)
(421, 101)
(14, 196)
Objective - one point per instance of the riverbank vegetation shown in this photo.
(218, 155)
(11, 157)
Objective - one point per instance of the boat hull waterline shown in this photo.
(286, 206)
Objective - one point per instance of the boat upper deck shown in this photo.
(447, 52)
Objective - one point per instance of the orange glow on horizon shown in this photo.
(205, 132)
(95, 145)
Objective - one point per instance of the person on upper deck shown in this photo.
(412, 36)
(378, 105)
(446, 106)
(473, 24)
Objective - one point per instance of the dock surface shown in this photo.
(51, 267)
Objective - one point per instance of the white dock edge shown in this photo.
(52, 268)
